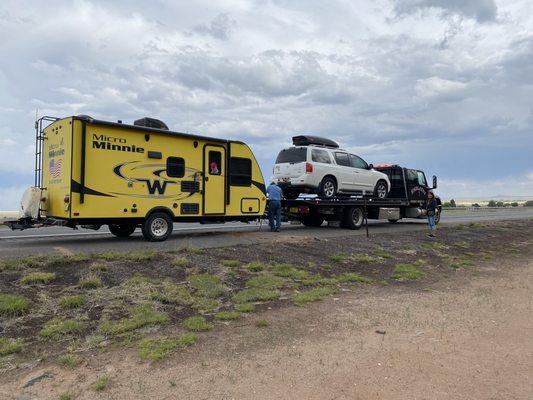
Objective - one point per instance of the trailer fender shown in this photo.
(160, 209)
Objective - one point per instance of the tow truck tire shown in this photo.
(437, 215)
(381, 191)
(290, 194)
(353, 218)
(122, 230)
(327, 188)
(312, 220)
(157, 227)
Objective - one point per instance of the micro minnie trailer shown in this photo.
(90, 173)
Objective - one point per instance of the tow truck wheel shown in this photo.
(353, 218)
(437, 215)
(312, 220)
(157, 227)
(381, 190)
(291, 195)
(122, 230)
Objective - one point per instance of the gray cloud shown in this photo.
(481, 10)
(220, 27)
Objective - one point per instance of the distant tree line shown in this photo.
(492, 203)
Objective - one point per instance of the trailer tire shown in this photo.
(312, 220)
(122, 230)
(157, 227)
(353, 218)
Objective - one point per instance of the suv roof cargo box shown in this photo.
(151, 123)
(305, 140)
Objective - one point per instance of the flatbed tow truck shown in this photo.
(407, 199)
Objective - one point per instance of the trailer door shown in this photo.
(214, 179)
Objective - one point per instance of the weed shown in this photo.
(205, 304)
(138, 256)
(406, 272)
(12, 304)
(318, 279)
(380, 252)
(143, 315)
(181, 262)
(66, 396)
(10, 265)
(70, 361)
(245, 307)
(140, 279)
(230, 263)
(38, 277)
(312, 295)
(75, 301)
(266, 281)
(98, 267)
(90, 282)
(57, 328)
(227, 315)
(197, 324)
(255, 294)
(288, 271)
(207, 285)
(339, 258)
(362, 258)
(351, 277)
(261, 323)
(255, 266)
(157, 349)
(173, 294)
(102, 383)
(10, 346)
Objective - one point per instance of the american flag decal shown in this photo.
(55, 168)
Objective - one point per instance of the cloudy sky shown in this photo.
(442, 85)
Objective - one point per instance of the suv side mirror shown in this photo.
(370, 166)
(434, 182)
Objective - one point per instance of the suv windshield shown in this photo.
(292, 155)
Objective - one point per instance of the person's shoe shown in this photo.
(277, 229)
(431, 235)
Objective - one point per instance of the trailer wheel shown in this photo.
(353, 218)
(157, 227)
(122, 230)
(312, 220)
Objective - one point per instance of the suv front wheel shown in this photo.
(328, 187)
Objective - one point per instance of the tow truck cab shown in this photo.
(406, 183)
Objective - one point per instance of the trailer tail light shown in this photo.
(66, 199)
(308, 168)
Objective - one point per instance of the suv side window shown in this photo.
(358, 162)
(342, 159)
(321, 156)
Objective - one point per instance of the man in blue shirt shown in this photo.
(275, 195)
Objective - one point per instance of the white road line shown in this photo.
(192, 228)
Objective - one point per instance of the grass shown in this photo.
(70, 302)
(266, 281)
(10, 265)
(12, 305)
(245, 307)
(255, 294)
(205, 304)
(255, 266)
(102, 383)
(157, 349)
(339, 258)
(317, 279)
(191, 250)
(230, 263)
(352, 277)
(288, 271)
(362, 258)
(206, 285)
(66, 396)
(143, 315)
(312, 295)
(406, 272)
(38, 277)
(90, 282)
(136, 256)
(98, 267)
(173, 294)
(181, 262)
(140, 279)
(197, 324)
(383, 253)
(227, 315)
(70, 361)
(10, 346)
(57, 328)
(261, 323)
(460, 262)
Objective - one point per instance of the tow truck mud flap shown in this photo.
(389, 213)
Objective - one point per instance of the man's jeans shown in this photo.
(274, 214)
(431, 222)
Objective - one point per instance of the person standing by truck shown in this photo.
(431, 210)
(274, 206)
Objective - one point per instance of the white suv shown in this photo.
(317, 165)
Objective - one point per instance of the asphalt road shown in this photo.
(65, 240)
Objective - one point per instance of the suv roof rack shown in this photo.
(306, 140)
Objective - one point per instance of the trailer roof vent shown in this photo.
(151, 123)
(306, 140)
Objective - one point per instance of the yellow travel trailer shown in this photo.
(91, 173)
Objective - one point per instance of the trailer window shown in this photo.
(292, 155)
(342, 159)
(240, 171)
(215, 163)
(321, 156)
(175, 167)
